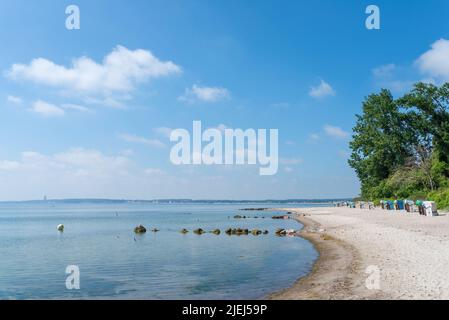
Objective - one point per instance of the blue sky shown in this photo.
(302, 67)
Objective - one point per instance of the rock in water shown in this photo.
(184, 231)
(140, 229)
(60, 227)
(198, 231)
(216, 232)
(256, 232)
(281, 232)
(154, 230)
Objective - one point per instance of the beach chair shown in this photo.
(419, 204)
(430, 208)
(408, 205)
(390, 205)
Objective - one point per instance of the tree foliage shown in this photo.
(400, 147)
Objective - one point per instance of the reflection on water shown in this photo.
(117, 264)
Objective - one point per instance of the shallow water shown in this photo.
(116, 264)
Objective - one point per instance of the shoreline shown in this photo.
(408, 251)
(330, 276)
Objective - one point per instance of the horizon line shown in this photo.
(176, 200)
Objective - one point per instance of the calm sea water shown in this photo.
(116, 264)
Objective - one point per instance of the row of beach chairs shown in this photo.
(425, 208)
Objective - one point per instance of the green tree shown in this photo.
(400, 148)
(380, 144)
(428, 109)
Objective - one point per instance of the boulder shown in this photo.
(184, 231)
(256, 232)
(60, 227)
(237, 231)
(241, 231)
(281, 232)
(140, 229)
(216, 231)
(155, 230)
(198, 231)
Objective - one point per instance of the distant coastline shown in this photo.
(183, 201)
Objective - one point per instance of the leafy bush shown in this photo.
(441, 197)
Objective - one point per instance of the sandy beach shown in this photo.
(410, 253)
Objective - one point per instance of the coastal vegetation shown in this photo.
(400, 147)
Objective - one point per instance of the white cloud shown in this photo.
(87, 173)
(46, 109)
(120, 72)
(73, 173)
(389, 76)
(115, 102)
(435, 62)
(163, 131)
(75, 107)
(6, 165)
(385, 71)
(14, 99)
(154, 171)
(397, 85)
(324, 89)
(90, 173)
(204, 94)
(432, 64)
(90, 161)
(127, 152)
(313, 137)
(335, 132)
(137, 139)
(74, 162)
